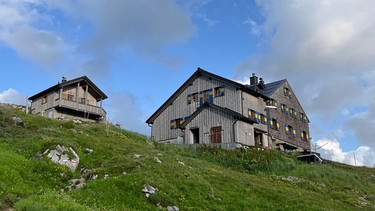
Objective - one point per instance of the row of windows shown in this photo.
(274, 124)
(261, 118)
(206, 95)
(290, 130)
(292, 112)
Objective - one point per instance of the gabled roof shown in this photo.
(225, 110)
(200, 72)
(93, 89)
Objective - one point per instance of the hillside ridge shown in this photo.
(123, 170)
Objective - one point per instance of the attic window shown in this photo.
(287, 92)
(219, 91)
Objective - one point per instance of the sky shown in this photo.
(139, 52)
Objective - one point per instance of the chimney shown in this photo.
(261, 81)
(253, 79)
(63, 80)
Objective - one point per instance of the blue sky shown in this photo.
(140, 52)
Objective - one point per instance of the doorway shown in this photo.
(194, 135)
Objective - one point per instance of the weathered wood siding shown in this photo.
(208, 118)
(180, 107)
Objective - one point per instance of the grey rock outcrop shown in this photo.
(60, 156)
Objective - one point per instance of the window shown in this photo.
(304, 135)
(206, 96)
(176, 123)
(290, 130)
(192, 98)
(44, 100)
(70, 97)
(254, 115)
(287, 92)
(83, 100)
(282, 107)
(274, 124)
(219, 91)
(291, 111)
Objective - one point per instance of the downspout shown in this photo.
(242, 102)
(234, 131)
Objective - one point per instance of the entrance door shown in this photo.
(195, 135)
(215, 134)
(258, 139)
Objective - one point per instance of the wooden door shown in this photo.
(215, 134)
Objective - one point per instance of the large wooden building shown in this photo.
(78, 98)
(210, 109)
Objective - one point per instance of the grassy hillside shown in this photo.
(205, 178)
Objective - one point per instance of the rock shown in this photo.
(173, 208)
(89, 150)
(137, 156)
(148, 189)
(181, 163)
(16, 121)
(58, 156)
(157, 160)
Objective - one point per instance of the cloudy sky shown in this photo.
(139, 52)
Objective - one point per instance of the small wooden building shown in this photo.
(78, 98)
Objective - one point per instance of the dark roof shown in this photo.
(93, 89)
(199, 72)
(267, 89)
(270, 88)
(225, 110)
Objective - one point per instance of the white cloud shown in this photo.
(330, 149)
(18, 31)
(325, 50)
(123, 109)
(12, 96)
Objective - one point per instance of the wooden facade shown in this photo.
(78, 98)
(210, 109)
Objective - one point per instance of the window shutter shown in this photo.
(249, 113)
(302, 135)
(271, 123)
(286, 110)
(173, 124)
(295, 114)
(277, 125)
(200, 98)
(189, 97)
(290, 94)
(287, 129)
(257, 116)
(265, 120)
(282, 107)
(304, 118)
(211, 96)
(275, 103)
(222, 89)
(291, 111)
(294, 132)
(300, 116)
(285, 91)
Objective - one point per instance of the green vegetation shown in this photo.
(202, 178)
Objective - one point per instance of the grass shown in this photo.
(202, 178)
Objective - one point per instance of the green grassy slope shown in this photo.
(191, 179)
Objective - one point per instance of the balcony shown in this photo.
(73, 105)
